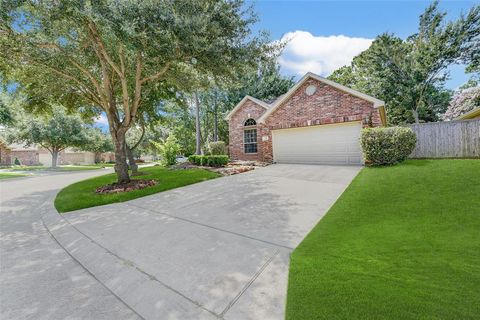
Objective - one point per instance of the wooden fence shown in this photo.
(451, 139)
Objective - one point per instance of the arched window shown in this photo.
(250, 122)
(250, 137)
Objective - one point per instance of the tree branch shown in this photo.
(98, 40)
(158, 74)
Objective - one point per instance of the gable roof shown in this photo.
(376, 102)
(255, 100)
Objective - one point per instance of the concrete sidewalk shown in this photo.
(216, 249)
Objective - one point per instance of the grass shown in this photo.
(82, 194)
(402, 242)
(9, 175)
(61, 168)
(26, 168)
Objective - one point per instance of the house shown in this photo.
(472, 114)
(36, 155)
(317, 121)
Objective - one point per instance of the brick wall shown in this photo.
(326, 106)
(26, 157)
(236, 127)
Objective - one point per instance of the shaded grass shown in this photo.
(82, 194)
(402, 242)
(9, 175)
(60, 168)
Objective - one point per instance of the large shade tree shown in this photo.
(112, 56)
(409, 74)
(54, 132)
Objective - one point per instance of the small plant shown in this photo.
(208, 160)
(217, 148)
(384, 146)
(17, 162)
(168, 149)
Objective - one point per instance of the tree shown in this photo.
(462, 102)
(111, 56)
(6, 116)
(98, 142)
(406, 73)
(54, 132)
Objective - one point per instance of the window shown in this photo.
(250, 122)
(250, 137)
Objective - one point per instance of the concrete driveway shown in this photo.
(38, 279)
(216, 249)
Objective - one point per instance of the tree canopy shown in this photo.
(54, 132)
(122, 57)
(409, 74)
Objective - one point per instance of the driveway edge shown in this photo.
(145, 296)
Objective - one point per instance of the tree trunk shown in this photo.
(215, 122)
(415, 115)
(121, 166)
(131, 160)
(198, 146)
(54, 158)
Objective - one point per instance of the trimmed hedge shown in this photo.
(384, 146)
(210, 161)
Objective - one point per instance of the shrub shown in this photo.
(217, 148)
(209, 160)
(17, 162)
(383, 146)
(168, 149)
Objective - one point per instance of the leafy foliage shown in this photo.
(409, 74)
(463, 101)
(168, 150)
(217, 148)
(123, 57)
(55, 132)
(98, 142)
(209, 160)
(384, 146)
(6, 116)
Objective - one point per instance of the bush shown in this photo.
(383, 146)
(209, 160)
(217, 148)
(168, 149)
(17, 162)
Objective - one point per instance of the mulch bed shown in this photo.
(136, 184)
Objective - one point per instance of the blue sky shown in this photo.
(327, 34)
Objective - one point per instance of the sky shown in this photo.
(325, 35)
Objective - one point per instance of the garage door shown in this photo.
(325, 144)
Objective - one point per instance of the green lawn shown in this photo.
(26, 168)
(60, 168)
(82, 194)
(402, 242)
(8, 175)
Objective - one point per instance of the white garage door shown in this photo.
(324, 144)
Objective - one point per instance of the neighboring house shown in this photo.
(36, 155)
(472, 114)
(28, 156)
(317, 121)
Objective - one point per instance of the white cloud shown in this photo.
(101, 120)
(305, 52)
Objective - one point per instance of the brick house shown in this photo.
(317, 121)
